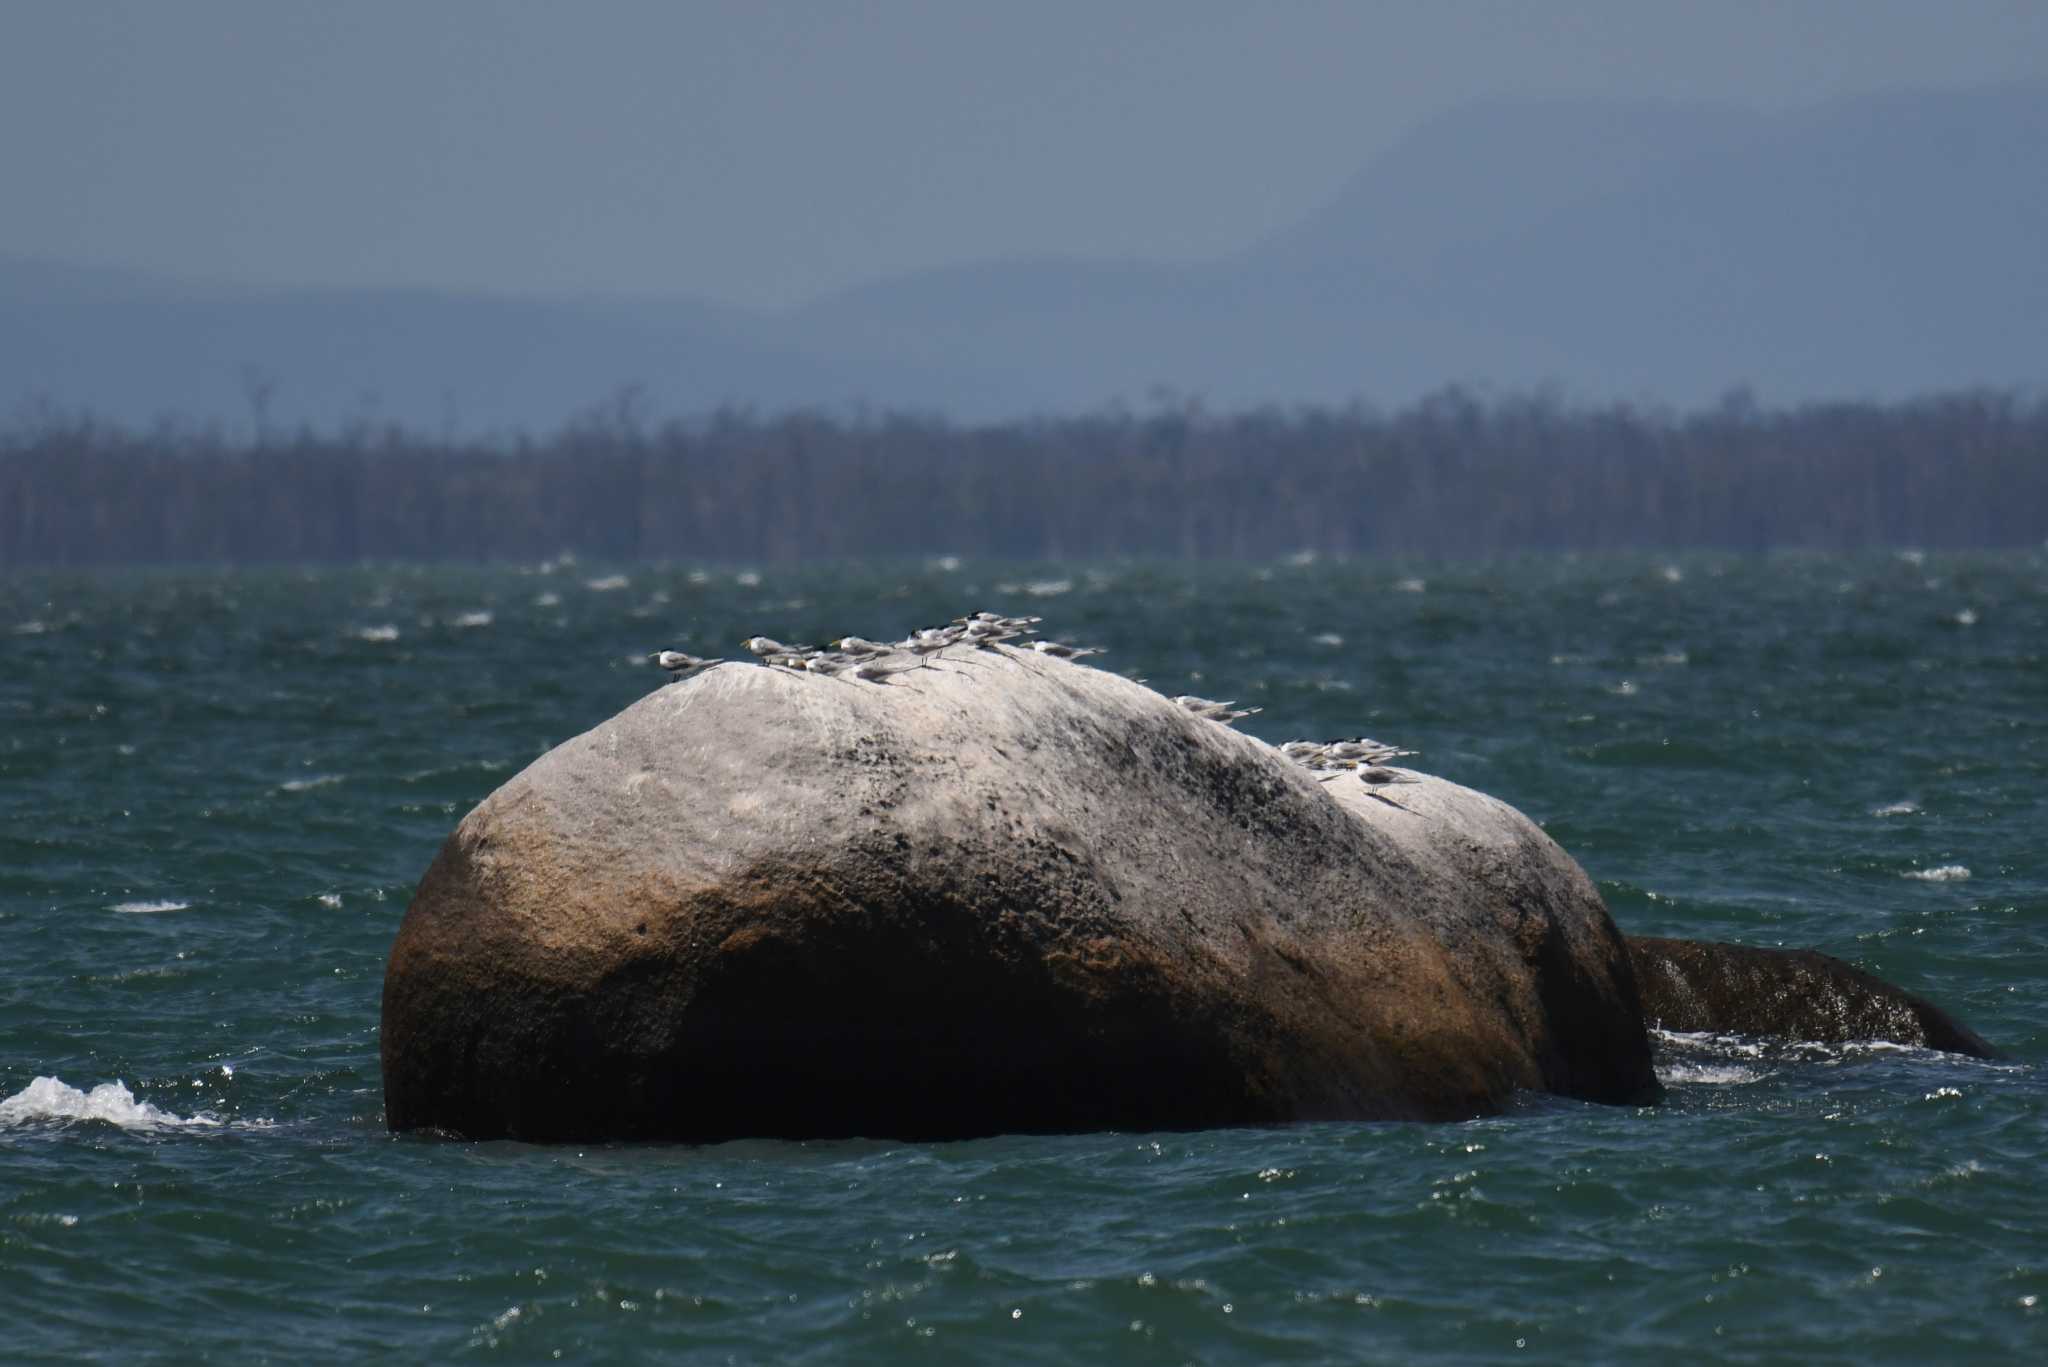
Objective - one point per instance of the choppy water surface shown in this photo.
(217, 789)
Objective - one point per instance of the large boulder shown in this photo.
(1004, 893)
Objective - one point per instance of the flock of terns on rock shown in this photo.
(876, 661)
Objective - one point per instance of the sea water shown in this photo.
(218, 788)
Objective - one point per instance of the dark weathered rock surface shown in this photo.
(1003, 894)
(1786, 993)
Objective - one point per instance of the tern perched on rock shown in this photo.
(876, 661)
(773, 652)
(988, 634)
(680, 663)
(1360, 756)
(996, 619)
(1061, 651)
(931, 640)
(1225, 712)
(990, 629)
(1369, 752)
(819, 662)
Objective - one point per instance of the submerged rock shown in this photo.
(1797, 994)
(1005, 893)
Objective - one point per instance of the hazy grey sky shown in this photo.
(761, 153)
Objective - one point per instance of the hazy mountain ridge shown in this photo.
(1876, 246)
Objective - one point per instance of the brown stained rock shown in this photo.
(1695, 985)
(1007, 893)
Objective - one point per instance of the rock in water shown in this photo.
(1006, 893)
(1787, 993)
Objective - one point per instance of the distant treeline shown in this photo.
(1454, 475)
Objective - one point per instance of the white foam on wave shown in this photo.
(301, 785)
(1896, 809)
(473, 619)
(51, 1099)
(149, 908)
(610, 583)
(386, 632)
(1946, 873)
(1762, 1056)
(1709, 1074)
(1709, 1039)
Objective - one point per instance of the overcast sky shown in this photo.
(763, 153)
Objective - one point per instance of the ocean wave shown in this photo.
(386, 632)
(300, 785)
(149, 908)
(1945, 873)
(51, 1099)
(1896, 809)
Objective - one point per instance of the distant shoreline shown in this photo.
(1454, 475)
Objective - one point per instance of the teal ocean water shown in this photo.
(217, 790)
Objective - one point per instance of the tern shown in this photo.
(767, 648)
(679, 663)
(931, 640)
(1225, 712)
